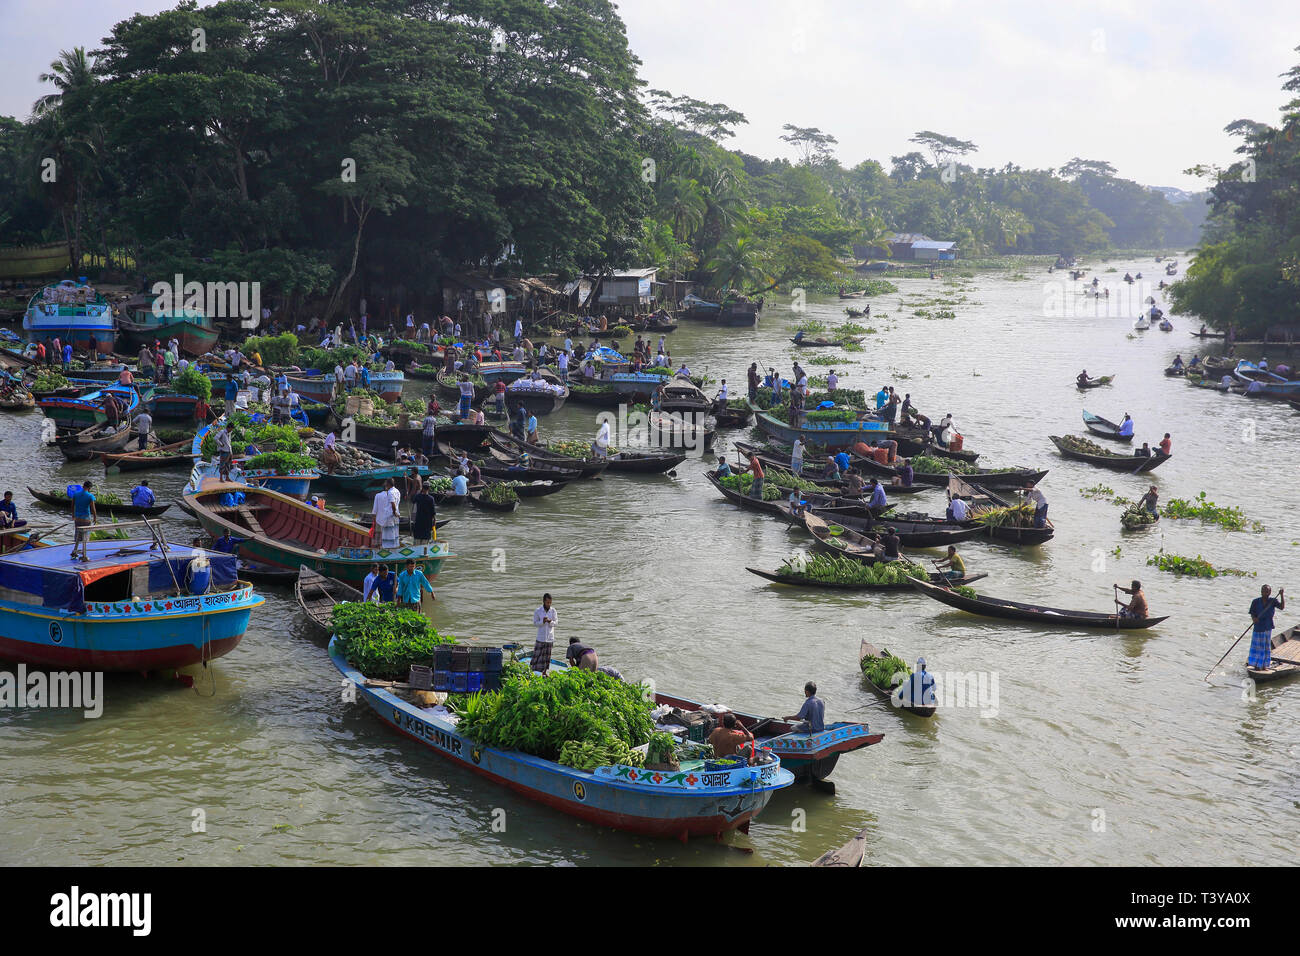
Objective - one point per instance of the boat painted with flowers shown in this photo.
(695, 800)
(133, 605)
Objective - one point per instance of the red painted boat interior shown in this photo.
(288, 521)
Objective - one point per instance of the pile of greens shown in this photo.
(1136, 517)
(193, 382)
(539, 715)
(1013, 516)
(1196, 567)
(571, 447)
(1085, 446)
(837, 570)
(743, 482)
(279, 349)
(499, 494)
(47, 380)
(281, 462)
(785, 479)
(930, 465)
(383, 641)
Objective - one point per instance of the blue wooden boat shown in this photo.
(120, 610)
(507, 372)
(313, 385)
(832, 436)
(810, 757)
(1263, 384)
(87, 409)
(692, 801)
(637, 386)
(387, 384)
(72, 312)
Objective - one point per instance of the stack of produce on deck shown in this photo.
(382, 641)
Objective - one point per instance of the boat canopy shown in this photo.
(51, 574)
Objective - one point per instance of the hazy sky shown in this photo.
(1148, 86)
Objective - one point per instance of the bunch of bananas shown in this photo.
(585, 755)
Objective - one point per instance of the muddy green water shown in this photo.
(1104, 749)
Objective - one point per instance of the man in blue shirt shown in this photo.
(812, 714)
(842, 460)
(1126, 427)
(918, 689)
(882, 397)
(1261, 613)
(409, 585)
(8, 511)
(142, 495)
(460, 486)
(878, 501)
(67, 357)
(227, 543)
(84, 514)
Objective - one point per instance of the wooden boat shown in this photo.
(1094, 382)
(780, 508)
(504, 444)
(370, 480)
(850, 854)
(594, 394)
(91, 442)
(127, 607)
(809, 757)
(911, 534)
(830, 435)
(1174, 371)
(284, 532)
(678, 804)
(177, 454)
(264, 574)
(64, 504)
(731, 416)
(87, 408)
(645, 463)
(1032, 613)
(317, 596)
(317, 388)
(537, 401)
(448, 387)
(804, 581)
(1103, 427)
(1012, 478)
(1133, 464)
(538, 470)
(1286, 657)
(477, 500)
(868, 651)
(1207, 335)
(536, 489)
(861, 294)
(1166, 325)
(846, 544)
(916, 441)
(979, 496)
(17, 400)
(682, 395)
(783, 461)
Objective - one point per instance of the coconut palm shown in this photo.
(735, 262)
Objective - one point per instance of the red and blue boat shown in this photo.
(74, 313)
(691, 801)
(133, 605)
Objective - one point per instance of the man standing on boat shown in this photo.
(84, 514)
(387, 517)
(1261, 638)
(410, 583)
(753, 381)
(796, 457)
(225, 454)
(143, 425)
(1039, 500)
(544, 618)
(1150, 501)
(423, 512)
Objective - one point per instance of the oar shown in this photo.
(1206, 678)
(942, 580)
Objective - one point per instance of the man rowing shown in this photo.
(1261, 616)
(1136, 608)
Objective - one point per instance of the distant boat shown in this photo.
(72, 312)
(138, 326)
(1141, 325)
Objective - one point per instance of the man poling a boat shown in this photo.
(917, 689)
(1137, 605)
(545, 619)
(1261, 616)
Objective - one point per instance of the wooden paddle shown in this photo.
(1206, 678)
(942, 579)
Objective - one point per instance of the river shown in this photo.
(1101, 748)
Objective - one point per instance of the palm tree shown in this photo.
(734, 262)
(64, 133)
(684, 206)
(72, 75)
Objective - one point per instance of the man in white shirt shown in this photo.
(410, 321)
(367, 586)
(832, 381)
(338, 374)
(519, 329)
(796, 456)
(957, 509)
(722, 392)
(387, 516)
(544, 618)
(562, 362)
(601, 445)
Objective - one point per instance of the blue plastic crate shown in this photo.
(442, 681)
(475, 682)
(459, 682)
(492, 680)
(494, 660)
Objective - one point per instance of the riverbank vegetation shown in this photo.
(334, 152)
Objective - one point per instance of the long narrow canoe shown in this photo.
(318, 595)
(151, 511)
(804, 581)
(1133, 464)
(986, 606)
(177, 454)
(1094, 382)
(867, 651)
(1104, 427)
(850, 854)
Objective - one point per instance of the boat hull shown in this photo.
(678, 806)
(127, 636)
(193, 338)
